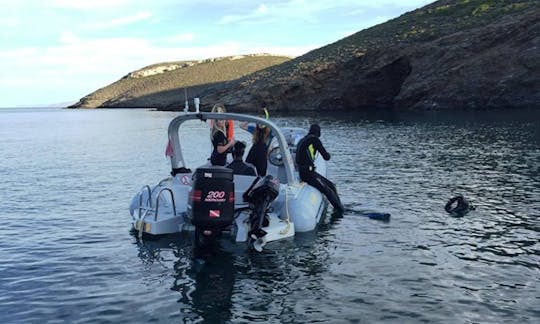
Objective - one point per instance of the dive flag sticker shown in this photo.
(214, 213)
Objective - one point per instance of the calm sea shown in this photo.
(67, 255)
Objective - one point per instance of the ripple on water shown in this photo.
(66, 254)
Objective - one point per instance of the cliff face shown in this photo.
(493, 66)
(452, 54)
(470, 54)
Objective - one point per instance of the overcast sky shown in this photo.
(57, 51)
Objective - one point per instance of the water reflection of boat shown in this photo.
(158, 251)
(205, 285)
(253, 209)
(232, 284)
(211, 288)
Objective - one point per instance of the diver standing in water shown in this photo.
(305, 155)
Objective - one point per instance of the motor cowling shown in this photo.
(212, 198)
(259, 196)
(262, 189)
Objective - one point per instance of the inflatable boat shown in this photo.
(211, 200)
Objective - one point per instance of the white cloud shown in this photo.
(71, 64)
(68, 37)
(181, 38)
(262, 9)
(89, 64)
(102, 25)
(86, 4)
(271, 13)
(6, 22)
(313, 10)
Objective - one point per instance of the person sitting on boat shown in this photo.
(220, 143)
(238, 165)
(306, 150)
(262, 137)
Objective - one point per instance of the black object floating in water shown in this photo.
(458, 206)
(385, 217)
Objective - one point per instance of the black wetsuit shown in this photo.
(242, 168)
(257, 157)
(219, 139)
(305, 155)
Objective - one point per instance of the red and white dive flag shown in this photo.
(169, 149)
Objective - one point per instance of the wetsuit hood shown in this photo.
(315, 129)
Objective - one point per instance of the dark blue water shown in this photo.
(67, 255)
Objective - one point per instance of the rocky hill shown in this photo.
(165, 84)
(471, 54)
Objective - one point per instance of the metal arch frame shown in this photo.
(177, 159)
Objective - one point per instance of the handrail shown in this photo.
(141, 227)
(162, 181)
(177, 159)
(149, 200)
(157, 202)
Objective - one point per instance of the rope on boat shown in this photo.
(287, 220)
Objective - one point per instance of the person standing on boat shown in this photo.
(305, 155)
(258, 153)
(229, 125)
(262, 137)
(238, 165)
(220, 143)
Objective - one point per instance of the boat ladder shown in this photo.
(147, 209)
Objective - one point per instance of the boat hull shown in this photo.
(298, 207)
(302, 205)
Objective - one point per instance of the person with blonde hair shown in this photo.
(221, 144)
(229, 126)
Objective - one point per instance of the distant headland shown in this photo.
(450, 54)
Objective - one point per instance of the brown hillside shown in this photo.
(470, 54)
(159, 84)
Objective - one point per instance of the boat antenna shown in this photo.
(186, 104)
(196, 102)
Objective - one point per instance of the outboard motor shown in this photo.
(211, 201)
(259, 195)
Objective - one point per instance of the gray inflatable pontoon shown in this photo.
(298, 207)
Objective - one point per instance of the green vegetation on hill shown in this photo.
(432, 21)
(464, 53)
(450, 53)
(189, 74)
(435, 20)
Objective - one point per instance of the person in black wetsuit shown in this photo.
(305, 155)
(262, 138)
(238, 165)
(220, 142)
(258, 154)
